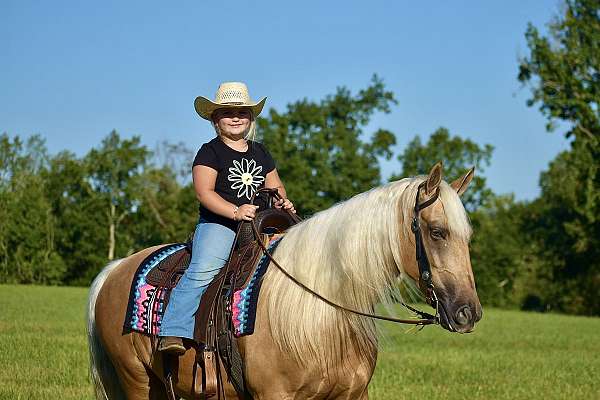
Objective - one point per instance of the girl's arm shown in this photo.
(204, 184)
(273, 181)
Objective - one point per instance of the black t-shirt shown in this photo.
(239, 175)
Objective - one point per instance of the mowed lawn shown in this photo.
(511, 355)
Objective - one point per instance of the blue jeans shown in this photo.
(211, 247)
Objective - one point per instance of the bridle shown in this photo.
(425, 278)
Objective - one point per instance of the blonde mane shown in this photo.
(350, 254)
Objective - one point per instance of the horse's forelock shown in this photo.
(456, 215)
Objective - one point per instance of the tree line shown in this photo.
(63, 216)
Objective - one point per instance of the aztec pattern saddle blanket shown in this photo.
(147, 301)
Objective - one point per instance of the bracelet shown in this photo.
(235, 210)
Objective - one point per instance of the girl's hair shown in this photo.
(251, 135)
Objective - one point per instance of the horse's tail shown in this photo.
(102, 372)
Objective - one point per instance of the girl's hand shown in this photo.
(285, 204)
(245, 212)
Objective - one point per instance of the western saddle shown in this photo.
(213, 333)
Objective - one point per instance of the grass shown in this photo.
(43, 351)
(511, 355)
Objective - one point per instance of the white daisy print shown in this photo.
(245, 177)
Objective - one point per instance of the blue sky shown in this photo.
(73, 71)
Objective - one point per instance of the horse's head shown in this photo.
(445, 232)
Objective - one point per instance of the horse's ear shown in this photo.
(461, 184)
(434, 178)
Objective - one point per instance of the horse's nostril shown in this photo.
(463, 316)
(478, 314)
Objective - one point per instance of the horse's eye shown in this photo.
(437, 234)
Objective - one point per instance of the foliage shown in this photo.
(29, 240)
(502, 255)
(458, 155)
(563, 71)
(114, 172)
(18, 157)
(564, 224)
(79, 223)
(322, 156)
(27, 252)
(167, 211)
(62, 214)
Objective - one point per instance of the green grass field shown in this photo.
(512, 355)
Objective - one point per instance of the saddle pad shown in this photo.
(245, 300)
(146, 304)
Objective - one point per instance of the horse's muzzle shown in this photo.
(461, 320)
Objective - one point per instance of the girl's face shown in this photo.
(233, 122)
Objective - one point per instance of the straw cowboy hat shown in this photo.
(229, 95)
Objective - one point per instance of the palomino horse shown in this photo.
(352, 254)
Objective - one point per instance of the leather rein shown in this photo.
(425, 279)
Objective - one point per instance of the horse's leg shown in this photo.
(185, 372)
(139, 383)
(103, 373)
(136, 380)
(273, 374)
(140, 374)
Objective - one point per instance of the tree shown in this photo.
(568, 233)
(563, 72)
(114, 172)
(18, 157)
(176, 158)
(320, 147)
(78, 212)
(504, 258)
(157, 210)
(31, 234)
(27, 243)
(457, 155)
(167, 211)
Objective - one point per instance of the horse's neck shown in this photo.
(344, 255)
(359, 250)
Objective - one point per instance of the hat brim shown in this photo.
(205, 107)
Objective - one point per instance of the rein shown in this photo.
(425, 280)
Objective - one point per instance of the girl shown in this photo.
(226, 172)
